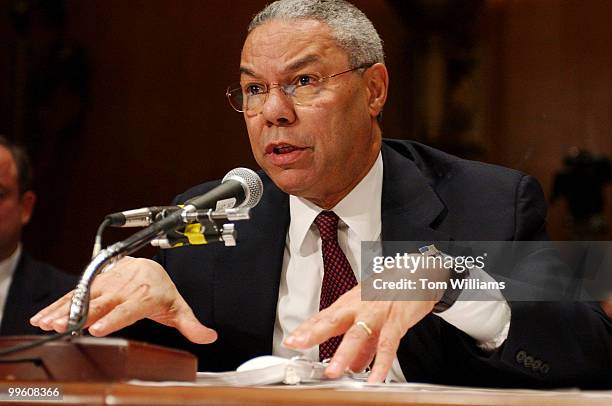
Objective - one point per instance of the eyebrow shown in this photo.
(300, 63)
(246, 71)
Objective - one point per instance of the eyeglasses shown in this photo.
(251, 96)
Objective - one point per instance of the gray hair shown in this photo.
(353, 31)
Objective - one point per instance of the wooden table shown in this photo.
(142, 394)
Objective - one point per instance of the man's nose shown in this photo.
(278, 108)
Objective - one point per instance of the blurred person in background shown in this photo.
(26, 285)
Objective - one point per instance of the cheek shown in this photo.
(10, 216)
(254, 134)
(326, 128)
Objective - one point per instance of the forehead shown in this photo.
(279, 46)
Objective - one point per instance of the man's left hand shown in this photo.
(388, 321)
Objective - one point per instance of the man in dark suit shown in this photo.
(26, 285)
(427, 196)
(313, 85)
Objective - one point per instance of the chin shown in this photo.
(292, 181)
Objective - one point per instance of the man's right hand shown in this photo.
(133, 289)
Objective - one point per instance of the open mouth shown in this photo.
(284, 155)
(285, 149)
(281, 149)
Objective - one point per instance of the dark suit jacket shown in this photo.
(35, 285)
(427, 195)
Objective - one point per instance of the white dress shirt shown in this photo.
(360, 220)
(7, 269)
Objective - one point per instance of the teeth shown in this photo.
(283, 149)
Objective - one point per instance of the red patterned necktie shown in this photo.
(338, 276)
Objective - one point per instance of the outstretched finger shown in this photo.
(331, 322)
(190, 327)
(386, 351)
(110, 314)
(98, 308)
(356, 350)
(179, 316)
(45, 318)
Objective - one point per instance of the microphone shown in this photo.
(240, 187)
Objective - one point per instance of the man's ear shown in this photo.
(377, 82)
(28, 201)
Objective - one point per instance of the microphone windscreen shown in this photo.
(251, 183)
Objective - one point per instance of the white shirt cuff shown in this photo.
(487, 322)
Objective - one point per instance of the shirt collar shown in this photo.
(359, 210)
(8, 266)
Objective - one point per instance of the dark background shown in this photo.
(122, 105)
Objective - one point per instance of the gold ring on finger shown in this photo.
(364, 326)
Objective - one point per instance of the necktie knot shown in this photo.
(327, 223)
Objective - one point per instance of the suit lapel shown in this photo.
(410, 207)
